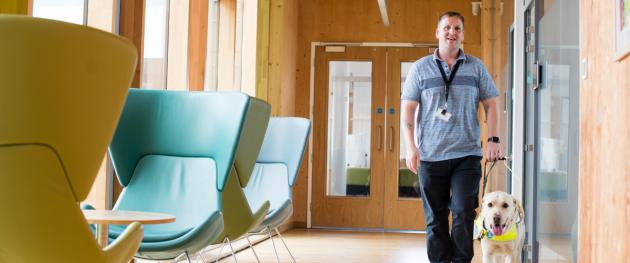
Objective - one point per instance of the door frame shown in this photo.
(361, 211)
(314, 46)
(531, 133)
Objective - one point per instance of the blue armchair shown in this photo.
(173, 152)
(275, 172)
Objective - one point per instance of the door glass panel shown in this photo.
(557, 124)
(408, 184)
(349, 128)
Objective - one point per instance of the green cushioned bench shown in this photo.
(358, 182)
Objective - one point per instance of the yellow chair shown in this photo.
(62, 88)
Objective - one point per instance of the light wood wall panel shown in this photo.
(496, 22)
(197, 43)
(276, 45)
(101, 15)
(248, 65)
(282, 51)
(276, 54)
(604, 199)
(131, 27)
(227, 31)
(276, 37)
(177, 61)
(288, 60)
(488, 48)
(262, 49)
(501, 75)
(360, 21)
(98, 197)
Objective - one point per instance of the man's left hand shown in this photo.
(493, 151)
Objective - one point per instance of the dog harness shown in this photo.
(480, 232)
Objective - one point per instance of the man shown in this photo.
(447, 87)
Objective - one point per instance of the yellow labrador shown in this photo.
(501, 228)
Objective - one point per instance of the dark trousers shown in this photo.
(450, 184)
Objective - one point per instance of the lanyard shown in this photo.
(447, 82)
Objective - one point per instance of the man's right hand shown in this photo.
(413, 159)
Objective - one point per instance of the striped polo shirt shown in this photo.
(440, 140)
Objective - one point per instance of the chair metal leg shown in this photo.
(220, 250)
(274, 244)
(285, 244)
(232, 249)
(176, 259)
(252, 247)
(203, 259)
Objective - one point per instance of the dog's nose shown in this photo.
(496, 219)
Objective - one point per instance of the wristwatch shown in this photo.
(493, 139)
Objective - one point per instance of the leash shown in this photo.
(480, 230)
(487, 174)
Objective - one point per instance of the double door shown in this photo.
(360, 179)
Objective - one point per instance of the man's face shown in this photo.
(450, 33)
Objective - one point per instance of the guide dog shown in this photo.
(500, 227)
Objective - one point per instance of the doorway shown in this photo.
(359, 175)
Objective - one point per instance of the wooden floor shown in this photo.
(327, 246)
(323, 246)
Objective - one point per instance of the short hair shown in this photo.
(450, 14)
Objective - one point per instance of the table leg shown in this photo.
(102, 234)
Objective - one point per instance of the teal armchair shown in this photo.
(240, 218)
(173, 152)
(276, 170)
(238, 215)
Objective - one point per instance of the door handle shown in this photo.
(538, 70)
(391, 138)
(379, 138)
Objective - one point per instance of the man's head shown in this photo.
(450, 30)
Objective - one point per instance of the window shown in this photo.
(165, 44)
(225, 50)
(73, 11)
(154, 62)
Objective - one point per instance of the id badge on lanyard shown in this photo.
(442, 112)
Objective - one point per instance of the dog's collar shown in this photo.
(481, 232)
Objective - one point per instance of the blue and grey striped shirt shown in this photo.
(439, 140)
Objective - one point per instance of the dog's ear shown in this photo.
(519, 208)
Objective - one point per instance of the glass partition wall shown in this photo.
(558, 125)
(552, 124)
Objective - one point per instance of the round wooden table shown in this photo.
(104, 218)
